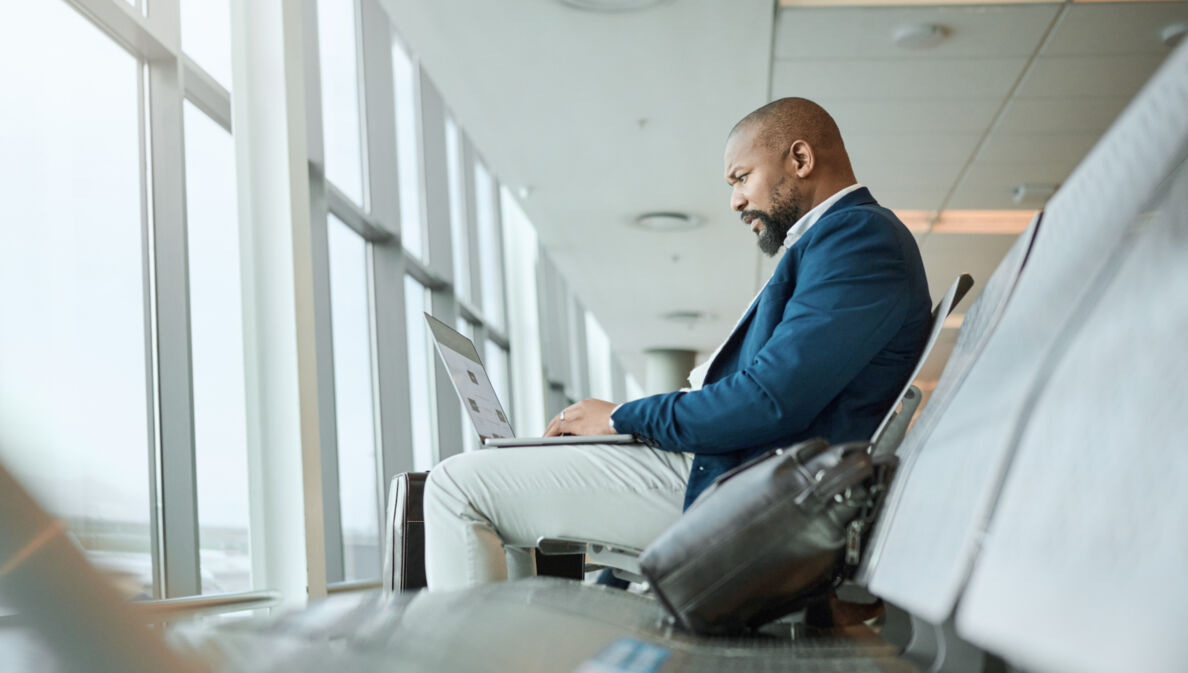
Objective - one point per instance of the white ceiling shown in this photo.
(606, 116)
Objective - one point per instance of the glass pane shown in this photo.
(598, 347)
(420, 370)
(341, 128)
(469, 436)
(206, 36)
(490, 249)
(216, 320)
(461, 239)
(495, 359)
(358, 485)
(73, 385)
(412, 233)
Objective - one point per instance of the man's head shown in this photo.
(781, 160)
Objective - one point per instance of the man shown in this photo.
(822, 352)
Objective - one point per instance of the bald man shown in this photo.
(821, 352)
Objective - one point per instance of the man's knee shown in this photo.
(449, 484)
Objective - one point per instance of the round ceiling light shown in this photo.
(919, 35)
(667, 221)
(686, 318)
(612, 5)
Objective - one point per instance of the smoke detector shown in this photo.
(1033, 192)
(919, 35)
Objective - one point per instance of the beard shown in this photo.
(785, 212)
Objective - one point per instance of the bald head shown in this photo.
(780, 123)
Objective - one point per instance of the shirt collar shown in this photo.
(810, 218)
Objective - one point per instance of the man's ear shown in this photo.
(801, 159)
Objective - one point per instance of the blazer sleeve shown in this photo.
(851, 297)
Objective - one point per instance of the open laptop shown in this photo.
(461, 360)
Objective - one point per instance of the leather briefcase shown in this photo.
(765, 538)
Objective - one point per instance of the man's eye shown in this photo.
(743, 177)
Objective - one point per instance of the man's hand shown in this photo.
(588, 417)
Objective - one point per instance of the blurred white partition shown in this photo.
(942, 502)
(1083, 565)
(976, 328)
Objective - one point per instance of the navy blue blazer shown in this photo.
(822, 352)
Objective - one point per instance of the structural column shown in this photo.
(668, 369)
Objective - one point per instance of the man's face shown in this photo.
(763, 191)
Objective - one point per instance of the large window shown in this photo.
(216, 318)
(408, 153)
(342, 135)
(420, 374)
(486, 199)
(206, 36)
(459, 225)
(74, 403)
(357, 475)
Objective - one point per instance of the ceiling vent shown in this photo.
(1033, 192)
(611, 6)
(667, 221)
(919, 35)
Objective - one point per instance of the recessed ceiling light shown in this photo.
(688, 318)
(612, 5)
(1173, 34)
(667, 221)
(919, 35)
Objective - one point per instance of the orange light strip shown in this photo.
(1005, 222)
(935, 3)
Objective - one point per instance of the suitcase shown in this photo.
(765, 538)
(404, 542)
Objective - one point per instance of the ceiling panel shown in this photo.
(1114, 28)
(1042, 116)
(908, 149)
(916, 116)
(1061, 148)
(989, 186)
(819, 33)
(1099, 76)
(986, 78)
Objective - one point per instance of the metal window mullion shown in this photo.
(322, 311)
(351, 214)
(270, 59)
(151, 40)
(206, 93)
(473, 246)
(390, 367)
(179, 497)
(441, 257)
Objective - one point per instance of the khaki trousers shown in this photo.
(485, 510)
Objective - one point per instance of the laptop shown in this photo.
(482, 405)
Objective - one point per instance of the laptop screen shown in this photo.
(474, 389)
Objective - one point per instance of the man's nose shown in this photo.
(737, 201)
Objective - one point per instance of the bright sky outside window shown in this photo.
(341, 128)
(490, 247)
(412, 233)
(495, 359)
(358, 486)
(206, 36)
(74, 407)
(458, 226)
(420, 370)
(216, 328)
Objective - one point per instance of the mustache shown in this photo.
(754, 214)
